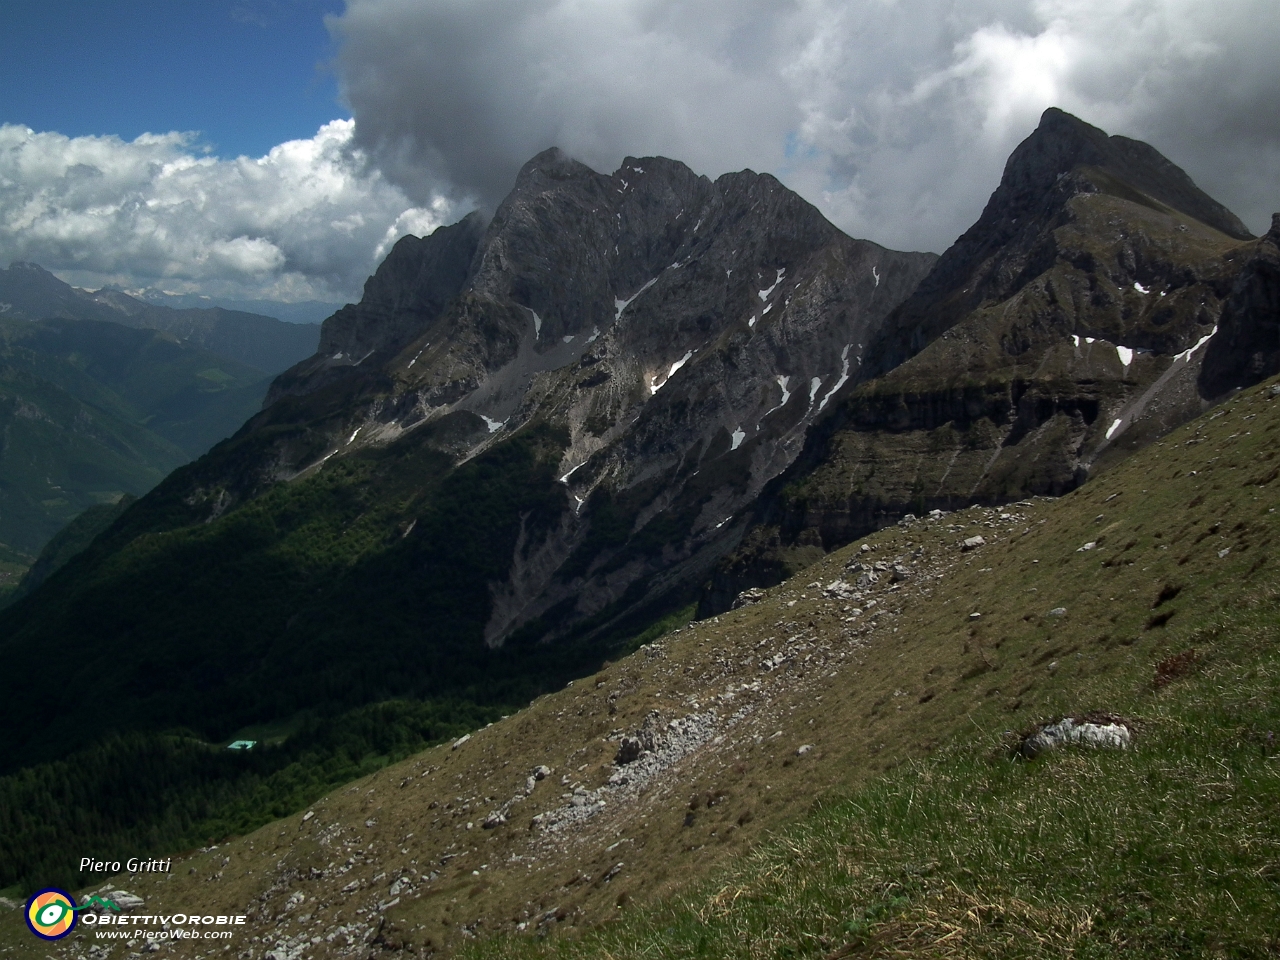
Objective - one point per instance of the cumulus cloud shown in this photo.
(893, 116)
(308, 220)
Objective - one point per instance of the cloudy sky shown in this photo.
(275, 148)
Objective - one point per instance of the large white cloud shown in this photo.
(894, 116)
(308, 220)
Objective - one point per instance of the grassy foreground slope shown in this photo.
(827, 771)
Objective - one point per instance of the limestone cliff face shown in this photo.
(1246, 348)
(681, 334)
(1065, 329)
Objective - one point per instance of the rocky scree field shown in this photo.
(835, 767)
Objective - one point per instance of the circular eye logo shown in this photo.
(51, 914)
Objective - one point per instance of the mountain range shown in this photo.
(29, 292)
(301, 311)
(1100, 299)
(102, 395)
(541, 440)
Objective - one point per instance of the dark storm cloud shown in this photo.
(465, 92)
(893, 116)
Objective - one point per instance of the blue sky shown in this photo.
(247, 74)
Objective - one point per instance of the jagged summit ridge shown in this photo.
(1062, 159)
(1100, 300)
(635, 275)
(1063, 143)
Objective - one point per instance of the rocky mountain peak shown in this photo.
(23, 266)
(679, 335)
(1063, 144)
(1063, 159)
(551, 164)
(411, 287)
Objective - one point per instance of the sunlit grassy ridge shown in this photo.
(1169, 849)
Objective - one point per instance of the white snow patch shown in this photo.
(786, 395)
(1139, 287)
(1186, 354)
(679, 363)
(353, 434)
(814, 384)
(565, 478)
(494, 425)
(595, 334)
(655, 386)
(1124, 353)
(568, 339)
(767, 308)
(764, 294)
(620, 305)
(638, 169)
(338, 355)
(723, 522)
(417, 355)
(697, 225)
(875, 274)
(537, 324)
(1113, 428)
(728, 273)
(738, 436)
(844, 377)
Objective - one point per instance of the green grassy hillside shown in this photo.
(831, 769)
(378, 567)
(91, 410)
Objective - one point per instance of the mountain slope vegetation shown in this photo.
(91, 410)
(533, 443)
(833, 768)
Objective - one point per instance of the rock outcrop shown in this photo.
(680, 334)
(1100, 300)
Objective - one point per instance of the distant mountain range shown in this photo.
(103, 395)
(91, 410)
(302, 311)
(29, 292)
(626, 396)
